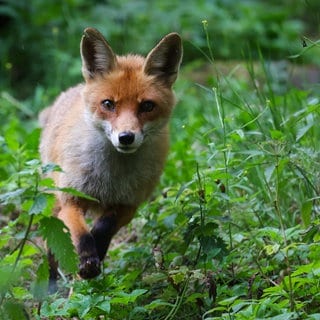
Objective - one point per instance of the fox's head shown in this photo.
(129, 98)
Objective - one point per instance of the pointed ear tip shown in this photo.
(174, 39)
(91, 32)
(88, 30)
(173, 35)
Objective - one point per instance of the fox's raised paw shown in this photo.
(89, 267)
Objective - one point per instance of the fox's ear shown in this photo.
(164, 59)
(97, 56)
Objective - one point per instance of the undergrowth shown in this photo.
(231, 233)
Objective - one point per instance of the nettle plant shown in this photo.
(26, 211)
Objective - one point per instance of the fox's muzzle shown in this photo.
(127, 141)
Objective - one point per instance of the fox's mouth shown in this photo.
(126, 149)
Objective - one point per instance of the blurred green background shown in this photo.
(40, 39)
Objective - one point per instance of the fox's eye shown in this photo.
(108, 104)
(147, 106)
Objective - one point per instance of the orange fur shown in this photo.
(110, 137)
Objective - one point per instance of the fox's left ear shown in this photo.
(164, 59)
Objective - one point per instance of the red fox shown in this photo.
(110, 137)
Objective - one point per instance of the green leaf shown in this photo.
(154, 278)
(209, 229)
(285, 316)
(47, 183)
(269, 171)
(7, 277)
(13, 311)
(40, 285)
(157, 303)
(9, 196)
(21, 293)
(306, 211)
(39, 204)
(271, 249)
(276, 134)
(77, 193)
(105, 306)
(195, 296)
(179, 275)
(51, 167)
(302, 131)
(59, 241)
(125, 298)
(183, 188)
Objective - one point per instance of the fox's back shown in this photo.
(56, 119)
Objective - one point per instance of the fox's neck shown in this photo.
(118, 178)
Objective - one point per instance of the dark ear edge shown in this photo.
(97, 55)
(164, 59)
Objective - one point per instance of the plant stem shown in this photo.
(23, 242)
(205, 27)
(179, 300)
(278, 212)
(201, 197)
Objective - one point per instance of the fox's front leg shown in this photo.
(73, 217)
(107, 225)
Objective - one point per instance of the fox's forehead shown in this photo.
(130, 61)
(128, 73)
(127, 81)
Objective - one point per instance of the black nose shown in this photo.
(126, 137)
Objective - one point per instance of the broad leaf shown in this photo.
(58, 240)
(40, 285)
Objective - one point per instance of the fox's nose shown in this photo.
(126, 137)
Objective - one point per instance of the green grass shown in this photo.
(233, 229)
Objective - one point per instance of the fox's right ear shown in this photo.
(97, 56)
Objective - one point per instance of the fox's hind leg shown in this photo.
(53, 272)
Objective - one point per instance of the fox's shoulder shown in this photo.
(63, 102)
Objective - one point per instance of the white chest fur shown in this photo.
(99, 170)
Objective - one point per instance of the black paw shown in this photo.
(89, 261)
(89, 267)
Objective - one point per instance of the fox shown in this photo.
(110, 137)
